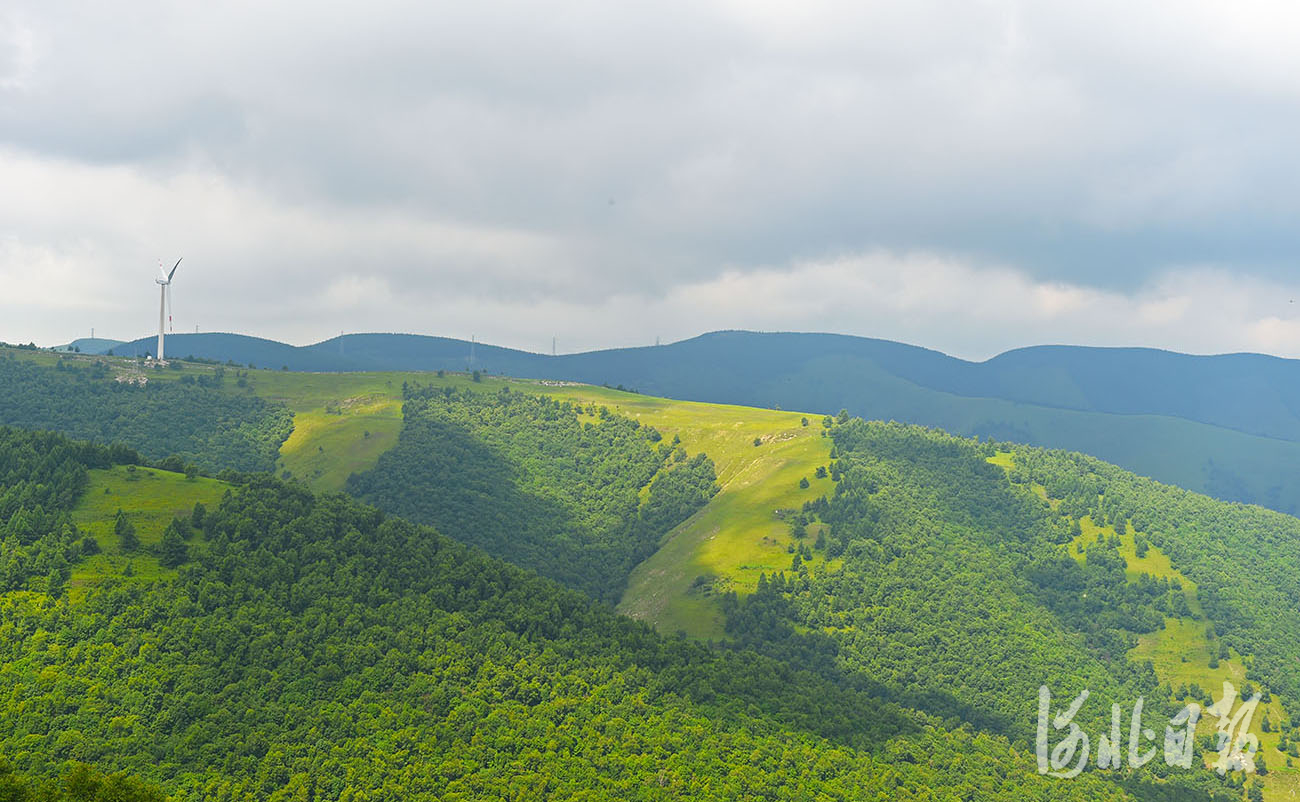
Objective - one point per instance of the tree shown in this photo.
(843, 417)
(803, 421)
(173, 551)
(821, 471)
(125, 531)
(199, 515)
(803, 483)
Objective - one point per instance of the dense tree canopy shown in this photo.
(196, 421)
(313, 648)
(41, 477)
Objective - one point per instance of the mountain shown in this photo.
(874, 605)
(288, 646)
(89, 345)
(1225, 425)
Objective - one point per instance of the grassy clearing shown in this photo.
(1181, 654)
(343, 422)
(150, 498)
(738, 535)
(326, 448)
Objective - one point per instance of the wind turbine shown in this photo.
(164, 281)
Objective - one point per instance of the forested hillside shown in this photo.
(919, 518)
(577, 493)
(313, 648)
(886, 592)
(1245, 560)
(191, 418)
(961, 592)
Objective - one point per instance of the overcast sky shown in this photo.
(970, 176)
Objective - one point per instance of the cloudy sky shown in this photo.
(970, 176)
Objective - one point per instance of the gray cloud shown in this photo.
(514, 170)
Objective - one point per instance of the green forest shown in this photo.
(193, 419)
(315, 648)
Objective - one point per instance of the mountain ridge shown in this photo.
(1226, 424)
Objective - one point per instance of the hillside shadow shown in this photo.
(441, 475)
(762, 623)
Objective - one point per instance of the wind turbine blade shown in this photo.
(178, 264)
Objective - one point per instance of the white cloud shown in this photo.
(975, 311)
(999, 173)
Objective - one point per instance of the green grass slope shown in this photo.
(150, 499)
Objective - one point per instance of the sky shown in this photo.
(968, 176)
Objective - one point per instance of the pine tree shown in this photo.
(125, 531)
(199, 515)
(173, 551)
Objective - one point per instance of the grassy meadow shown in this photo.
(150, 499)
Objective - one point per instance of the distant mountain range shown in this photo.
(89, 345)
(1226, 425)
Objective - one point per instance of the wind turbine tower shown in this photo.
(164, 281)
